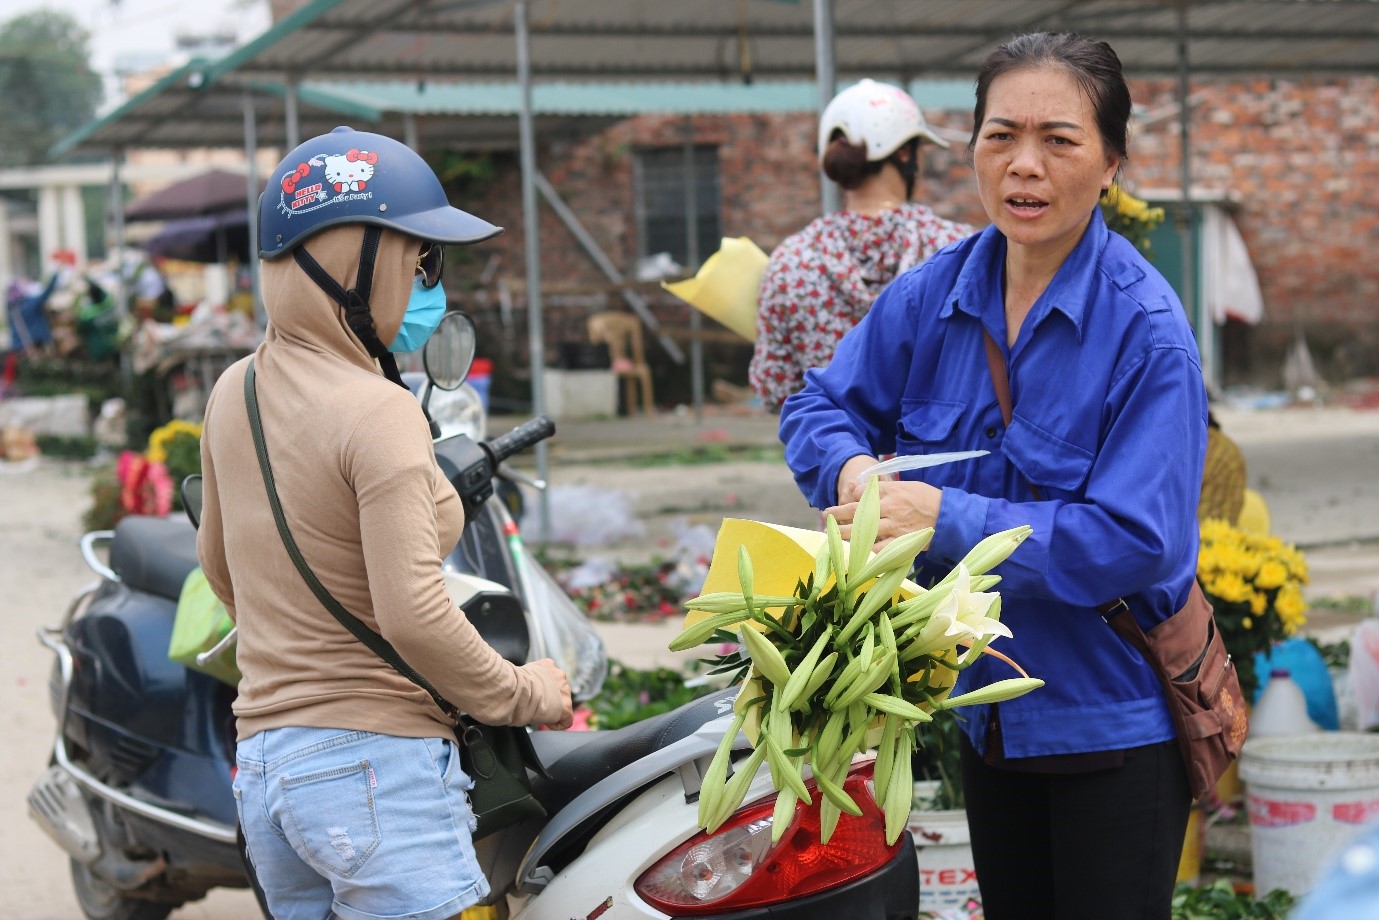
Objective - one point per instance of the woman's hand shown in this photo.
(905, 508)
(849, 490)
(567, 707)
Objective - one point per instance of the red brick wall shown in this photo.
(1301, 157)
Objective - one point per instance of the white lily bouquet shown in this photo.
(844, 655)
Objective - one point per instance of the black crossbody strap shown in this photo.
(376, 643)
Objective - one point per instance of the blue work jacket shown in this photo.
(1109, 422)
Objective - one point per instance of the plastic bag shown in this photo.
(200, 623)
(1364, 673)
(566, 635)
(584, 515)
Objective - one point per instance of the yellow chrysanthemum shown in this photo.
(1255, 581)
(161, 437)
(1230, 587)
(1272, 574)
(1291, 608)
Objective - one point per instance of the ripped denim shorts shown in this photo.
(364, 825)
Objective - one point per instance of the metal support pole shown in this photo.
(536, 335)
(117, 230)
(292, 128)
(74, 222)
(49, 222)
(117, 245)
(692, 265)
(251, 190)
(409, 131)
(827, 76)
(1200, 322)
(7, 261)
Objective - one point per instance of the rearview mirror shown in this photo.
(450, 351)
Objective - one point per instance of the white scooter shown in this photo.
(620, 838)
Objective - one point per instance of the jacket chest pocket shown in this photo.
(1046, 460)
(927, 425)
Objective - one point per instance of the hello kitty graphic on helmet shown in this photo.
(350, 176)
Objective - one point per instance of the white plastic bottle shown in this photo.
(1282, 708)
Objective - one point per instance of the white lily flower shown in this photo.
(961, 616)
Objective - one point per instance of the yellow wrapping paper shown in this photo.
(727, 286)
(781, 556)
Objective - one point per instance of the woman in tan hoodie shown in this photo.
(349, 785)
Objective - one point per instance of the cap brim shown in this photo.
(448, 225)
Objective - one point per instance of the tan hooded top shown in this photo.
(368, 507)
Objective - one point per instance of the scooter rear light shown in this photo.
(738, 868)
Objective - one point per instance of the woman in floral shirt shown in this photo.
(822, 280)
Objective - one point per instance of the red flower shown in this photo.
(145, 486)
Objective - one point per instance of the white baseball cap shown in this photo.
(879, 115)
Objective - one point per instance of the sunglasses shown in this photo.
(431, 265)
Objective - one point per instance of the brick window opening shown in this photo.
(660, 177)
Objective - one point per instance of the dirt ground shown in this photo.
(1316, 468)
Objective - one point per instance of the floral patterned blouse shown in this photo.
(821, 281)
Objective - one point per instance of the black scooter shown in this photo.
(138, 791)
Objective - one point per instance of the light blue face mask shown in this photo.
(425, 308)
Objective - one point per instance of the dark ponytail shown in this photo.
(847, 164)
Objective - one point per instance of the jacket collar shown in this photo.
(977, 289)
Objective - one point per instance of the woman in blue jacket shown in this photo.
(1077, 796)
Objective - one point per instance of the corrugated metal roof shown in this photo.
(737, 39)
(183, 110)
(343, 51)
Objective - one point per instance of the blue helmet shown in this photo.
(354, 177)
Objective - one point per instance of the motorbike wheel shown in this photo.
(100, 900)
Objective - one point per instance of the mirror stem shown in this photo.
(426, 389)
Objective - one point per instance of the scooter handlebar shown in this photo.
(520, 438)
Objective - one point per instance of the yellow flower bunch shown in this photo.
(160, 439)
(1131, 217)
(1255, 585)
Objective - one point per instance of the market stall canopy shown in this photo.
(746, 39)
(210, 239)
(209, 193)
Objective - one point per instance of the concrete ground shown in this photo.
(1315, 467)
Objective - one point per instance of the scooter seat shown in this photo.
(154, 554)
(578, 760)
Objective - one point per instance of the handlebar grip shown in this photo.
(520, 438)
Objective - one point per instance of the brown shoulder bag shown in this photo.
(1186, 652)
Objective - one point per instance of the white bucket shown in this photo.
(947, 877)
(1308, 796)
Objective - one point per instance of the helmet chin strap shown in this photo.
(356, 300)
(909, 169)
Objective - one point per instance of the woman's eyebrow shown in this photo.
(1043, 125)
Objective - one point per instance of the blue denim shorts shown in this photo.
(363, 825)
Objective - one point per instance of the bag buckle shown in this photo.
(1113, 609)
